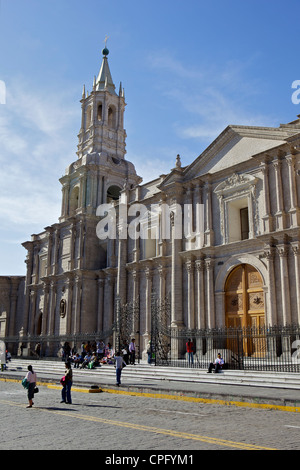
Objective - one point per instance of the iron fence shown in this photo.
(274, 348)
(265, 348)
(127, 324)
(52, 346)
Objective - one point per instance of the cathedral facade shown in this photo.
(219, 237)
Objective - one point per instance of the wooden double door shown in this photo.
(244, 306)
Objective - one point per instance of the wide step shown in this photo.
(55, 369)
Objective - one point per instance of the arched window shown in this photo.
(113, 193)
(111, 117)
(74, 199)
(244, 298)
(99, 112)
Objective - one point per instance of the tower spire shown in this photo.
(104, 79)
(102, 123)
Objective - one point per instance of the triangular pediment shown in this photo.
(175, 176)
(237, 144)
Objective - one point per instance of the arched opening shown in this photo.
(245, 306)
(113, 193)
(111, 119)
(99, 112)
(74, 200)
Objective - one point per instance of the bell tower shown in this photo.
(101, 170)
(102, 121)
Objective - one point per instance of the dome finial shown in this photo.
(105, 51)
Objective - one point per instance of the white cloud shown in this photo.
(165, 61)
(37, 135)
(207, 101)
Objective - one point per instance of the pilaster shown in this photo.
(266, 218)
(280, 214)
(209, 265)
(271, 313)
(199, 265)
(296, 251)
(189, 265)
(285, 289)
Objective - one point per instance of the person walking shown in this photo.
(66, 390)
(132, 351)
(120, 364)
(31, 378)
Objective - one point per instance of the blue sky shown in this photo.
(189, 68)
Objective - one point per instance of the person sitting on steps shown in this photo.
(217, 365)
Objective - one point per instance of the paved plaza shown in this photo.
(138, 420)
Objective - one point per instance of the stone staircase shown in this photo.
(144, 372)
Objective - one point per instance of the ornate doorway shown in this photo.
(244, 306)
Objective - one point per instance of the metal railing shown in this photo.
(52, 346)
(264, 348)
(274, 348)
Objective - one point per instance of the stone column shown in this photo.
(176, 281)
(251, 198)
(72, 246)
(70, 285)
(77, 310)
(99, 191)
(296, 251)
(294, 209)
(122, 272)
(101, 283)
(65, 199)
(209, 264)
(148, 275)
(285, 288)
(198, 210)
(80, 244)
(52, 308)
(135, 298)
(209, 234)
(93, 190)
(35, 269)
(162, 282)
(271, 313)
(108, 302)
(49, 252)
(45, 307)
(82, 192)
(29, 268)
(199, 265)
(190, 294)
(279, 215)
(267, 218)
(188, 215)
(56, 251)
